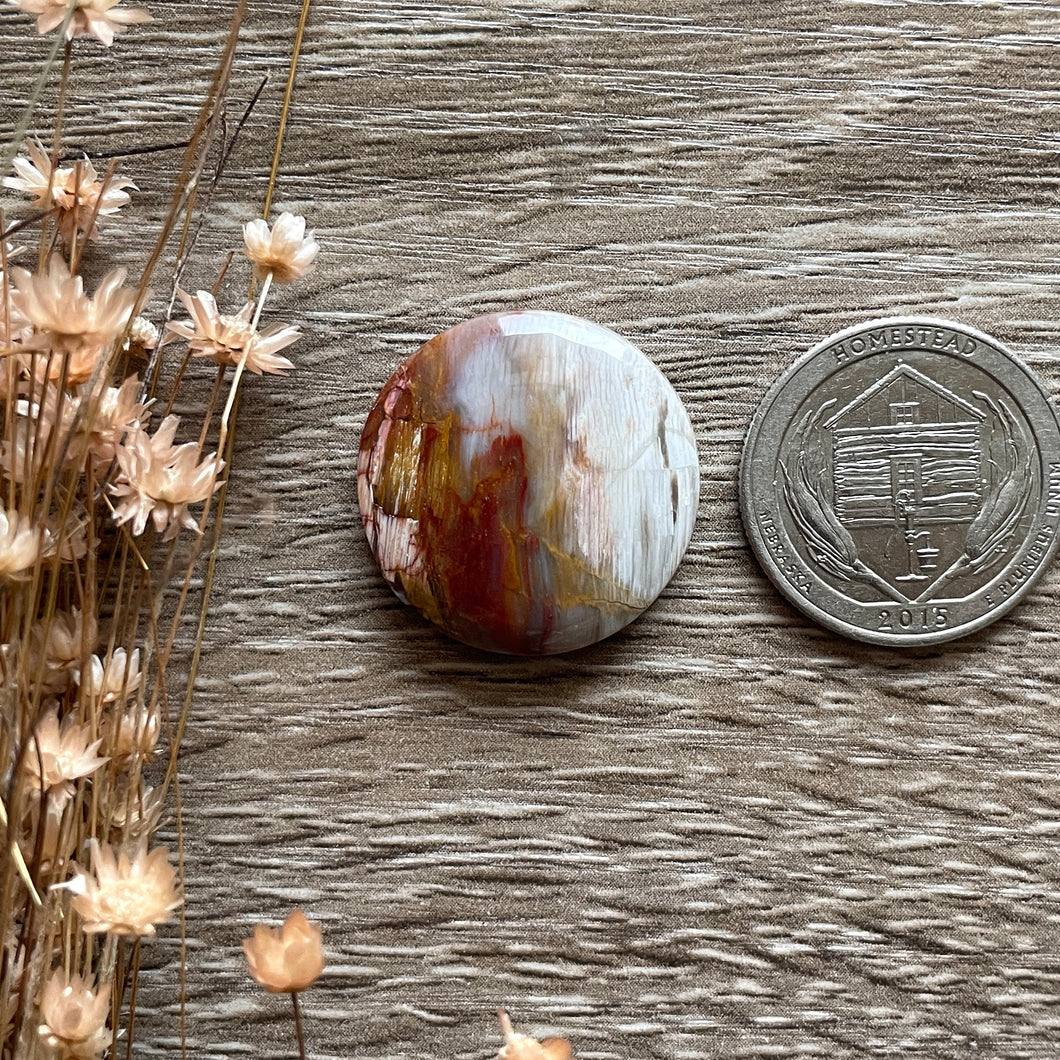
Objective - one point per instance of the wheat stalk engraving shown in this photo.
(1014, 478)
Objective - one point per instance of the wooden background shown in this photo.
(725, 832)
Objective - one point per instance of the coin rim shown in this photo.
(752, 532)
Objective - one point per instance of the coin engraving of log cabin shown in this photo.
(907, 449)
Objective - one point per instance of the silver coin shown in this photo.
(901, 482)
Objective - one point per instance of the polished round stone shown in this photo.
(528, 481)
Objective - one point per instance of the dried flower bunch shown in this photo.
(105, 500)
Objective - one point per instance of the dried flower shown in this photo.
(228, 340)
(57, 755)
(101, 19)
(159, 480)
(117, 679)
(521, 1047)
(66, 320)
(286, 959)
(69, 539)
(143, 336)
(118, 411)
(21, 544)
(74, 1017)
(132, 810)
(58, 647)
(76, 191)
(132, 733)
(126, 895)
(43, 833)
(12, 322)
(36, 176)
(286, 252)
(87, 426)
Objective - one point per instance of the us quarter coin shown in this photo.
(901, 482)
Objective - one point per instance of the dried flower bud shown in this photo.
(131, 734)
(74, 1017)
(126, 895)
(57, 648)
(286, 959)
(131, 810)
(69, 540)
(63, 641)
(522, 1047)
(287, 251)
(143, 336)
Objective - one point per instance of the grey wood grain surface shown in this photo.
(725, 832)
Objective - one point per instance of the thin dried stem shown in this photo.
(23, 124)
(298, 1032)
(288, 94)
(135, 981)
